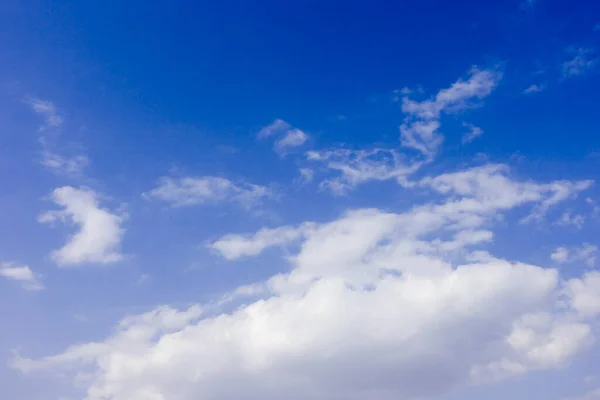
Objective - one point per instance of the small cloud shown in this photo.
(473, 133)
(47, 109)
(581, 62)
(100, 232)
(277, 127)
(293, 138)
(22, 274)
(420, 130)
(72, 166)
(306, 175)
(143, 278)
(585, 253)
(568, 219)
(189, 191)
(535, 88)
(595, 207)
(289, 137)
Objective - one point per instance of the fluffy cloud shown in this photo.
(585, 294)
(289, 138)
(189, 191)
(585, 253)
(489, 188)
(99, 235)
(420, 129)
(358, 166)
(47, 109)
(23, 274)
(375, 305)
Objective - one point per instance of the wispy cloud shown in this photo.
(99, 232)
(22, 274)
(354, 167)
(570, 219)
(189, 191)
(473, 133)
(420, 129)
(585, 253)
(47, 109)
(288, 137)
(535, 88)
(582, 62)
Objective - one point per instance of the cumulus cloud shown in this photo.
(289, 138)
(190, 191)
(376, 304)
(47, 109)
(354, 167)
(585, 253)
(99, 231)
(584, 293)
(420, 129)
(473, 133)
(582, 62)
(22, 274)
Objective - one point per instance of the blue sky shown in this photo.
(311, 200)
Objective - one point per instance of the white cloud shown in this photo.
(585, 253)
(580, 63)
(584, 294)
(474, 132)
(99, 235)
(420, 129)
(23, 274)
(358, 166)
(47, 109)
(189, 191)
(235, 246)
(306, 175)
(535, 88)
(289, 138)
(276, 128)
(560, 255)
(490, 188)
(569, 219)
(375, 305)
(293, 138)
(64, 165)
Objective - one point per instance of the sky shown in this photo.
(299, 200)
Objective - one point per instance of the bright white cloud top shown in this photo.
(99, 231)
(375, 304)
